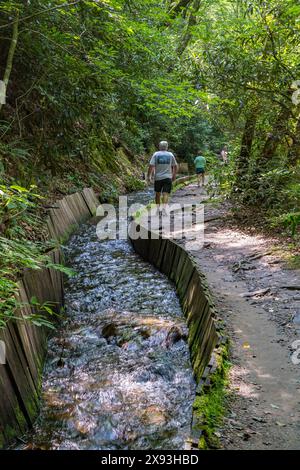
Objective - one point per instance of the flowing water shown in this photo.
(118, 372)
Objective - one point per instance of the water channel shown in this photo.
(118, 372)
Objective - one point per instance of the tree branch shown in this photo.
(177, 8)
(40, 12)
(191, 22)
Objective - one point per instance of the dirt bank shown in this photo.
(258, 300)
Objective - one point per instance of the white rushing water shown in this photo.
(118, 373)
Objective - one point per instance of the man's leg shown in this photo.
(198, 178)
(165, 205)
(157, 202)
(157, 189)
(166, 190)
(165, 199)
(203, 178)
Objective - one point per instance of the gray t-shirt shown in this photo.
(163, 162)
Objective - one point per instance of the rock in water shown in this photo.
(174, 335)
(109, 330)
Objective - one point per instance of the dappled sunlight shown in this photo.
(239, 384)
(229, 240)
(175, 120)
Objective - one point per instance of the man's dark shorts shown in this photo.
(200, 171)
(163, 186)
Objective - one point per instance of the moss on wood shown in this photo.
(210, 405)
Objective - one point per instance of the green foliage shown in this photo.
(210, 406)
(133, 184)
(16, 205)
(13, 150)
(245, 57)
(290, 220)
(103, 76)
(96, 85)
(116, 75)
(18, 220)
(61, 268)
(43, 314)
(110, 194)
(294, 262)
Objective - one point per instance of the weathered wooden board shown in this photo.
(91, 200)
(18, 372)
(161, 253)
(168, 259)
(138, 234)
(188, 269)
(29, 350)
(193, 291)
(178, 268)
(12, 420)
(36, 335)
(154, 248)
(177, 254)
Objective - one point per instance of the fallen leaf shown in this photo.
(282, 425)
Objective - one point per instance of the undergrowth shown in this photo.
(21, 249)
(210, 406)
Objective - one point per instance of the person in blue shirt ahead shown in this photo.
(200, 165)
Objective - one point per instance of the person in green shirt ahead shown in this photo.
(200, 164)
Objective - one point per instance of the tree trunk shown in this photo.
(192, 21)
(261, 185)
(177, 9)
(246, 148)
(275, 137)
(11, 52)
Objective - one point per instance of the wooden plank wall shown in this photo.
(20, 376)
(25, 343)
(171, 259)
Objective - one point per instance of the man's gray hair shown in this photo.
(163, 145)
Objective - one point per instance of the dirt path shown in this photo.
(264, 396)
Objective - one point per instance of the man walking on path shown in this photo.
(163, 164)
(200, 164)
